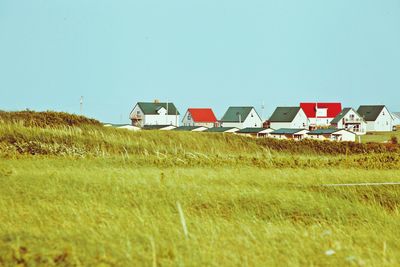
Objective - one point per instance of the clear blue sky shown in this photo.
(200, 53)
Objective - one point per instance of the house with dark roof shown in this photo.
(154, 113)
(350, 120)
(222, 130)
(158, 127)
(332, 134)
(241, 117)
(288, 117)
(199, 117)
(191, 129)
(285, 133)
(321, 114)
(255, 132)
(377, 117)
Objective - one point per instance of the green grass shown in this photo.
(380, 136)
(93, 196)
(92, 211)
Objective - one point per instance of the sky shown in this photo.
(199, 53)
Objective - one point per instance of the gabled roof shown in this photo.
(151, 108)
(323, 131)
(232, 114)
(287, 131)
(284, 114)
(370, 112)
(220, 129)
(187, 128)
(254, 130)
(327, 131)
(202, 114)
(333, 109)
(396, 114)
(343, 113)
(156, 127)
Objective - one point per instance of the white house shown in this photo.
(222, 130)
(159, 127)
(378, 118)
(289, 118)
(241, 117)
(295, 134)
(154, 113)
(396, 116)
(321, 114)
(255, 132)
(350, 120)
(332, 134)
(129, 127)
(199, 117)
(191, 128)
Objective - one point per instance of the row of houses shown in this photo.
(308, 116)
(330, 134)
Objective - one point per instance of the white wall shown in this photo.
(383, 123)
(300, 121)
(190, 122)
(345, 136)
(161, 120)
(252, 121)
(363, 124)
(320, 121)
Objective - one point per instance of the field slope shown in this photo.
(88, 196)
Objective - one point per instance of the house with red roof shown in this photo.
(199, 117)
(321, 114)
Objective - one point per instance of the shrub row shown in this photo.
(45, 119)
(327, 147)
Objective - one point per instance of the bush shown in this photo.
(326, 147)
(394, 140)
(45, 119)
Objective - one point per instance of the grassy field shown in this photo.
(90, 196)
(380, 136)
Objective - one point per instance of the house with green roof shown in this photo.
(255, 132)
(289, 133)
(222, 130)
(190, 129)
(332, 134)
(350, 120)
(289, 118)
(154, 113)
(241, 117)
(377, 117)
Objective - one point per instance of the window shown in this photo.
(189, 117)
(138, 112)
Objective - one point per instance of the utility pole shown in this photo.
(81, 105)
(262, 111)
(166, 117)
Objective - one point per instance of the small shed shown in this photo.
(332, 135)
(222, 130)
(159, 127)
(285, 133)
(191, 129)
(255, 132)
